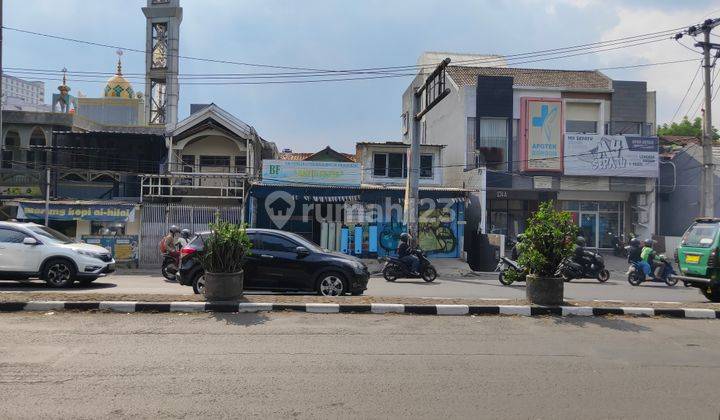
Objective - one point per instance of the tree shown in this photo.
(685, 128)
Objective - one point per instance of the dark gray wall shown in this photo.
(680, 206)
(629, 101)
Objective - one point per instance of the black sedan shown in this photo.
(284, 262)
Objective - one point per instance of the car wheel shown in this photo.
(59, 273)
(603, 276)
(331, 284)
(199, 284)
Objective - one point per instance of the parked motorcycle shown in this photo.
(504, 266)
(170, 266)
(593, 268)
(618, 245)
(395, 269)
(636, 275)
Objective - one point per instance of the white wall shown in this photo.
(365, 158)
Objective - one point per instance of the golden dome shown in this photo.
(118, 86)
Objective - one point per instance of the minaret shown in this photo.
(161, 61)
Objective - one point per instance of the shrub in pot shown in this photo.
(548, 240)
(222, 259)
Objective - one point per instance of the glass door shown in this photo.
(589, 228)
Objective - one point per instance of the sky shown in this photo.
(349, 34)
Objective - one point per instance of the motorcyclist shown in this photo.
(406, 255)
(184, 238)
(648, 256)
(635, 251)
(167, 245)
(515, 252)
(580, 255)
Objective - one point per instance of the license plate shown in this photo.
(693, 259)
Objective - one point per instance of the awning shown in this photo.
(100, 212)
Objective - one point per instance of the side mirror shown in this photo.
(302, 251)
(30, 241)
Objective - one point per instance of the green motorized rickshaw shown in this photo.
(698, 259)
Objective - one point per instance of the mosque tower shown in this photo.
(161, 61)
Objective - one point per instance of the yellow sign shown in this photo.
(23, 191)
(692, 259)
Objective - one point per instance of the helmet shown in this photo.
(635, 242)
(185, 233)
(174, 229)
(404, 237)
(580, 241)
(520, 237)
(648, 242)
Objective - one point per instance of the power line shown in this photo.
(697, 72)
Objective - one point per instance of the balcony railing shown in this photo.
(21, 182)
(194, 185)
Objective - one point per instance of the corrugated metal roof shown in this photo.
(565, 79)
(361, 187)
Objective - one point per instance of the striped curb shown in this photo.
(375, 308)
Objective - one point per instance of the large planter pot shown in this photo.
(223, 286)
(546, 291)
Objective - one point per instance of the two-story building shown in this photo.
(576, 137)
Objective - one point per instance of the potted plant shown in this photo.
(548, 240)
(222, 259)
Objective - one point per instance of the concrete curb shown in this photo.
(375, 308)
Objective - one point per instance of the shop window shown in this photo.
(390, 165)
(588, 206)
(585, 127)
(570, 205)
(107, 228)
(380, 164)
(426, 166)
(215, 162)
(609, 206)
(492, 145)
(240, 163)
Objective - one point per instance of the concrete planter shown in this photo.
(223, 286)
(546, 291)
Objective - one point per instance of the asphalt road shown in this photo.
(484, 286)
(282, 365)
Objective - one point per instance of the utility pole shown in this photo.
(434, 90)
(707, 199)
(47, 196)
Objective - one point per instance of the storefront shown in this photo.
(599, 221)
(109, 224)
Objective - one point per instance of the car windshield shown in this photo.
(304, 242)
(50, 235)
(701, 235)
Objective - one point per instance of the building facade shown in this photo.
(20, 91)
(576, 137)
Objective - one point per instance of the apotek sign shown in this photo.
(619, 156)
(541, 127)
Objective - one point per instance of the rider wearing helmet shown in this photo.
(579, 254)
(184, 238)
(406, 255)
(515, 252)
(648, 255)
(635, 251)
(168, 241)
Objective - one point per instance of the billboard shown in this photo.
(311, 172)
(541, 127)
(600, 155)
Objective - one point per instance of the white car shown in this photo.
(31, 250)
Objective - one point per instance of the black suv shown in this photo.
(284, 261)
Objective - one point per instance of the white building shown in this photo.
(16, 90)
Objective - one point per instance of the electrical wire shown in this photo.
(692, 82)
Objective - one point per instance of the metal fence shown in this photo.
(157, 218)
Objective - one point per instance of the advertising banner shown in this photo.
(96, 212)
(16, 191)
(311, 173)
(124, 249)
(623, 156)
(541, 125)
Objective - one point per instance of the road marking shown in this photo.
(383, 308)
(254, 307)
(515, 310)
(639, 311)
(44, 306)
(187, 307)
(322, 308)
(699, 313)
(117, 306)
(577, 310)
(452, 309)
